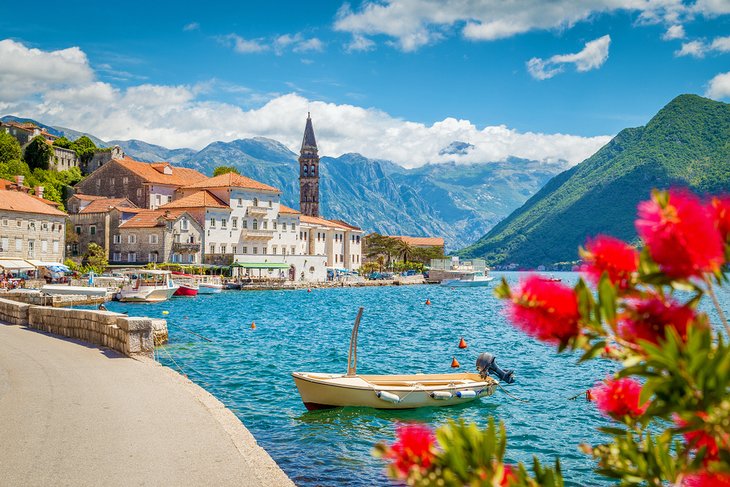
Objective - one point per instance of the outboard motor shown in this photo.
(486, 365)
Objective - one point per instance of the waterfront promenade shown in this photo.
(75, 414)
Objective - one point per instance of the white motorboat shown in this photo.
(147, 286)
(323, 391)
(472, 279)
(209, 288)
(63, 289)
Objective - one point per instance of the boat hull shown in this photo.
(185, 290)
(463, 283)
(204, 288)
(322, 391)
(154, 296)
(62, 289)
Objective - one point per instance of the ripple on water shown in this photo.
(249, 371)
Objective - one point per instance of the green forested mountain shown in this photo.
(686, 144)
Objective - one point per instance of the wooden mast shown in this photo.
(352, 356)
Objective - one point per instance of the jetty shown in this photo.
(74, 413)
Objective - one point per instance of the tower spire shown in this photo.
(309, 172)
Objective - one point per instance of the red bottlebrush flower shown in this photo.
(700, 438)
(508, 476)
(617, 398)
(414, 447)
(682, 236)
(707, 479)
(546, 310)
(721, 205)
(613, 256)
(648, 320)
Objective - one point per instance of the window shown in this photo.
(293, 250)
(184, 224)
(132, 239)
(125, 180)
(44, 226)
(273, 250)
(357, 239)
(92, 229)
(44, 245)
(274, 223)
(116, 256)
(139, 192)
(234, 249)
(152, 257)
(191, 258)
(223, 248)
(224, 222)
(255, 224)
(256, 202)
(266, 224)
(271, 204)
(31, 224)
(293, 228)
(132, 257)
(31, 248)
(154, 239)
(244, 250)
(240, 202)
(283, 226)
(212, 223)
(244, 224)
(75, 249)
(255, 250)
(18, 244)
(212, 248)
(234, 223)
(169, 198)
(5, 222)
(158, 199)
(4, 246)
(55, 246)
(117, 239)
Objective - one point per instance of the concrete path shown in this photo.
(73, 414)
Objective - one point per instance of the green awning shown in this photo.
(261, 265)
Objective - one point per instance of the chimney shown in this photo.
(19, 181)
(39, 191)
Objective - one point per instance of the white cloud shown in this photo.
(592, 56)
(719, 86)
(415, 23)
(700, 49)
(181, 116)
(674, 32)
(191, 26)
(280, 44)
(241, 45)
(360, 43)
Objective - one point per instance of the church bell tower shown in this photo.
(309, 172)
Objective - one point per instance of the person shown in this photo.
(102, 307)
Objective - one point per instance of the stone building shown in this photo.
(30, 228)
(147, 185)
(24, 132)
(158, 236)
(97, 221)
(100, 158)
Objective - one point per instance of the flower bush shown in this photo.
(670, 398)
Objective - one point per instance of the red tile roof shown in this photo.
(288, 211)
(199, 199)
(150, 218)
(103, 205)
(154, 173)
(232, 180)
(88, 197)
(25, 203)
(314, 220)
(4, 183)
(420, 241)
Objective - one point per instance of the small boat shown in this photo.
(63, 289)
(186, 283)
(472, 279)
(323, 391)
(209, 288)
(550, 278)
(233, 285)
(147, 286)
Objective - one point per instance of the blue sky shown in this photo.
(384, 64)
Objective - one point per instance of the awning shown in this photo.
(16, 264)
(261, 265)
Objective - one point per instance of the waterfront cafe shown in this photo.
(268, 272)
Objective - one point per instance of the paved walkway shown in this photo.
(74, 414)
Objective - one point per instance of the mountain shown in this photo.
(72, 134)
(684, 145)
(145, 152)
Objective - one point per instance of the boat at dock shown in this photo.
(208, 284)
(147, 286)
(323, 390)
(186, 284)
(65, 290)
(471, 279)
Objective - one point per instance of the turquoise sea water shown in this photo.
(249, 371)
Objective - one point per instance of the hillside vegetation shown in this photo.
(686, 144)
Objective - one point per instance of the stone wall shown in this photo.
(39, 298)
(128, 335)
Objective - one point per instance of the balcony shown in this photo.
(182, 248)
(259, 234)
(257, 210)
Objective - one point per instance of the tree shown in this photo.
(95, 258)
(404, 249)
(224, 170)
(377, 244)
(84, 148)
(9, 148)
(38, 153)
(63, 142)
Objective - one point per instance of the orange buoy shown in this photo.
(462, 343)
(309, 290)
(455, 363)
(253, 325)
(589, 396)
(428, 302)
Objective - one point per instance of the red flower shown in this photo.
(546, 310)
(414, 448)
(700, 438)
(706, 479)
(613, 256)
(617, 398)
(508, 476)
(647, 320)
(721, 205)
(681, 236)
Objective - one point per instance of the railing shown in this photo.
(257, 210)
(257, 234)
(185, 247)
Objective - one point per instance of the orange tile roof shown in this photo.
(314, 220)
(288, 211)
(4, 183)
(152, 173)
(88, 197)
(199, 199)
(150, 218)
(342, 222)
(25, 203)
(420, 241)
(232, 180)
(103, 205)
(48, 202)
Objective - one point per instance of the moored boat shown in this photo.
(209, 288)
(472, 279)
(147, 286)
(323, 390)
(186, 283)
(63, 289)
